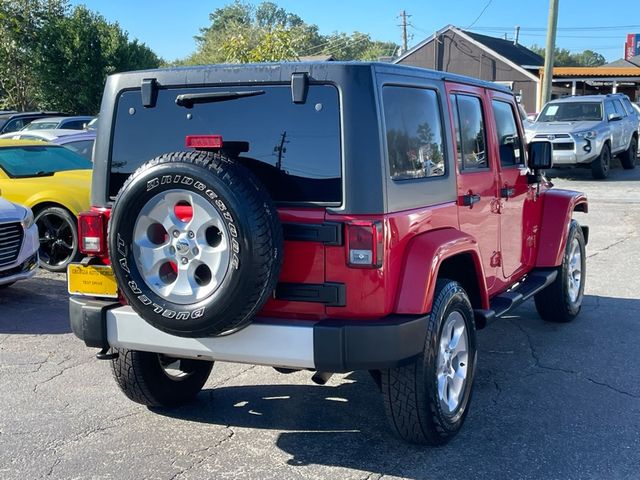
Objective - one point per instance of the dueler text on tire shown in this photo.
(157, 380)
(561, 301)
(428, 399)
(195, 243)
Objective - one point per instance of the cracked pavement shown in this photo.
(551, 401)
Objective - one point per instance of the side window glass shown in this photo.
(414, 132)
(608, 109)
(509, 142)
(14, 125)
(619, 108)
(627, 105)
(471, 133)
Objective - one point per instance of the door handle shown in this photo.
(507, 192)
(469, 199)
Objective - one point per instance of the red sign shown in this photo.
(632, 46)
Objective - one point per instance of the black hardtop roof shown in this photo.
(281, 72)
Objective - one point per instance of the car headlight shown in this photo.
(588, 134)
(27, 221)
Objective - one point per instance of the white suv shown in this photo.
(588, 131)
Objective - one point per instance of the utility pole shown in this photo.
(280, 149)
(549, 52)
(515, 40)
(403, 15)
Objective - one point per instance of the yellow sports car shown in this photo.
(55, 182)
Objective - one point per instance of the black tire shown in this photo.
(142, 378)
(6, 285)
(58, 233)
(410, 392)
(629, 156)
(230, 192)
(554, 303)
(600, 166)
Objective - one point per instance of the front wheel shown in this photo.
(628, 158)
(427, 400)
(560, 302)
(600, 166)
(157, 380)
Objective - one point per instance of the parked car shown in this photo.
(53, 123)
(80, 141)
(55, 183)
(587, 131)
(18, 243)
(11, 122)
(372, 243)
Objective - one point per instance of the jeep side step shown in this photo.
(504, 303)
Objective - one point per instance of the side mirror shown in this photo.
(540, 155)
(614, 117)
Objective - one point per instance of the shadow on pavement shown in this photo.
(35, 306)
(616, 174)
(539, 400)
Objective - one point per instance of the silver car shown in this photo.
(588, 131)
(18, 243)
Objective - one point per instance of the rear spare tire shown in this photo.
(195, 243)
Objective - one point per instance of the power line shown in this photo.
(481, 13)
(563, 29)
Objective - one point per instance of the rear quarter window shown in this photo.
(413, 125)
(294, 149)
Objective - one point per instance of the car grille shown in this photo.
(547, 136)
(10, 242)
(563, 146)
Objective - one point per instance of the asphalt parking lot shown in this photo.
(551, 401)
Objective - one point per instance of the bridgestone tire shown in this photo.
(554, 303)
(629, 156)
(249, 225)
(143, 379)
(601, 166)
(410, 392)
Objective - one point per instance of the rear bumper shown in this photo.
(328, 345)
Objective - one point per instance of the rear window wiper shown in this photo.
(188, 100)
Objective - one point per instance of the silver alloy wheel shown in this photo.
(183, 260)
(574, 271)
(452, 363)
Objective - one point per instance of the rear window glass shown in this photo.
(34, 161)
(294, 149)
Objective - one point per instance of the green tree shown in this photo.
(564, 57)
(76, 54)
(21, 23)
(242, 33)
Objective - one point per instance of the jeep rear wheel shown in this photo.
(560, 302)
(629, 156)
(196, 244)
(427, 400)
(600, 166)
(157, 380)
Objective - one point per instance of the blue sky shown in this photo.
(168, 26)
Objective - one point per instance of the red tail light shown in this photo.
(364, 244)
(92, 232)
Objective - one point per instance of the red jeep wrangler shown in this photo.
(329, 217)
